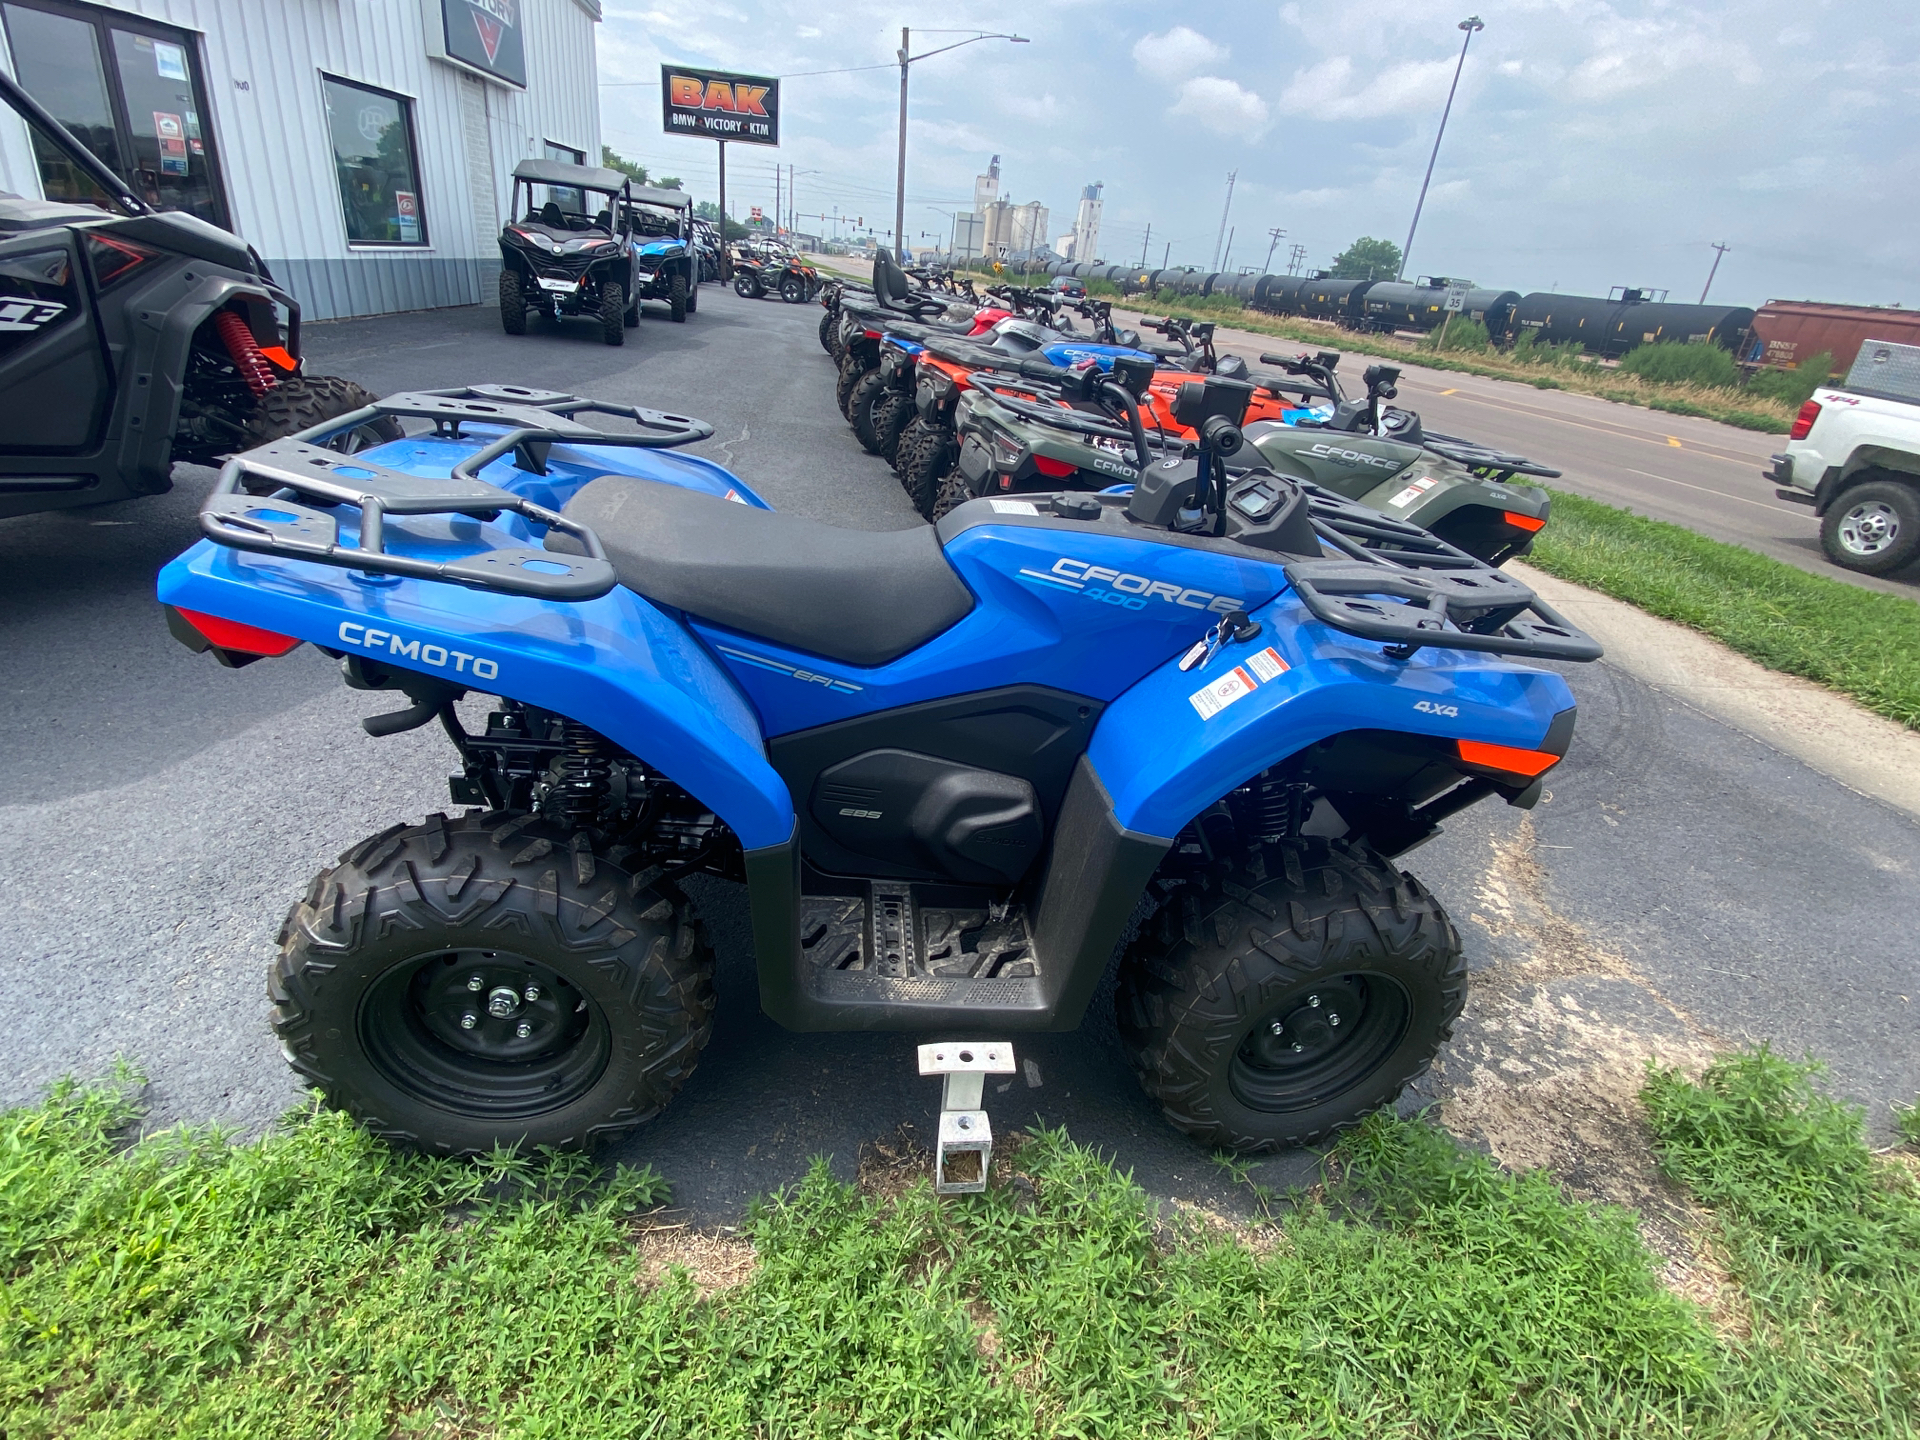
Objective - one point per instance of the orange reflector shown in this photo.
(278, 355)
(1507, 758)
(232, 635)
(1523, 522)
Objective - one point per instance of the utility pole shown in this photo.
(1167, 256)
(1470, 24)
(1278, 236)
(900, 173)
(1144, 244)
(779, 210)
(1296, 257)
(1224, 209)
(726, 252)
(1720, 247)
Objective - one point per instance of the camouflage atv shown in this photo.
(1382, 457)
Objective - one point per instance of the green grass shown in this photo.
(1823, 1239)
(1862, 643)
(316, 1283)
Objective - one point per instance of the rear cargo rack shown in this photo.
(1409, 589)
(256, 505)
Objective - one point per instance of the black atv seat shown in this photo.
(864, 597)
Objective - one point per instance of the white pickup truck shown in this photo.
(1854, 456)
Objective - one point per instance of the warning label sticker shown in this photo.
(1267, 664)
(1211, 699)
(1414, 491)
(1016, 507)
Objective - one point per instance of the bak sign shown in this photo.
(720, 106)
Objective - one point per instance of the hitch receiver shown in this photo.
(966, 1139)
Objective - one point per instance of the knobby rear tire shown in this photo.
(373, 935)
(867, 391)
(1235, 952)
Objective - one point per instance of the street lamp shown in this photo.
(1470, 24)
(900, 179)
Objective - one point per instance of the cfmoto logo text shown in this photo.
(1352, 457)
(1115, 587)
(365, 637)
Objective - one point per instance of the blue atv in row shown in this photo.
(957, 769)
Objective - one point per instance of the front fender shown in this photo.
(1163, 763)
(617, 664)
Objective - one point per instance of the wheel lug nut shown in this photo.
(475, 982)
(523, 1029)
(1276, 1028)
(1333, 1019)
(502, 1002)
(533, 993)
(1298, 1047)
(469, 1020)
(1314, 1001)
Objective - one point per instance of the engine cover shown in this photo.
(937, 816)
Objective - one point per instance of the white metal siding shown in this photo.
(277, 164)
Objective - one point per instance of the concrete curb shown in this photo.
(1824, 730)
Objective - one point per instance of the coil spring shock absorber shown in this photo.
(1270, 808)
(585, 773)
(237, 336)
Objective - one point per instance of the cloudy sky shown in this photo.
(1591, 144)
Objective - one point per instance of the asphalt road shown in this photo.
(1685, 887)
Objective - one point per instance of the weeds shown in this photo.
(317, 1283)
(1862, 643)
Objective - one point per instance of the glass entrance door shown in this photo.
(131, 91)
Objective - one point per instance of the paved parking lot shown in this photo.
(1684, 887)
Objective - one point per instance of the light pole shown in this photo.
(900, 175)
(1470, 24)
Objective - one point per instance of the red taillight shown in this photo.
(1803, 422)
(115, 259)
(1524, 522)
(1057, 469)
(232, 635)
(1507, 758)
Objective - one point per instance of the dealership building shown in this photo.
(365, 148)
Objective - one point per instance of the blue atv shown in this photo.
(957, 769)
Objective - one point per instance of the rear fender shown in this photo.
(617, 664)
(1162, 763)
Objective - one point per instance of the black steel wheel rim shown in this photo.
(1319, 1041)
(488, 1034)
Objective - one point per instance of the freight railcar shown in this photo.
(1627, 319)
(1787, 332)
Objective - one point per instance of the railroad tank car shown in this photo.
(1649, 322)
(1620, 323)
(1121, 275)
(1787, 332)
(1279, 294)
(1238, 287)
(1337, 300)
(1184, 281)
(1493, 309)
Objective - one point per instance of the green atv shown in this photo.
(1377, 455)
(1382, 457)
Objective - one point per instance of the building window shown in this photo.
(131, 92)
(375, 161)
(567, 197)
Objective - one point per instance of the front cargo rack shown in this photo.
(256, 504)
(1407, 588)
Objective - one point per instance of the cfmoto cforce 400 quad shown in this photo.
(954, 770)
(131, 338)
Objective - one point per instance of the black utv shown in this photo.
(131, 338)
(588, 242)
